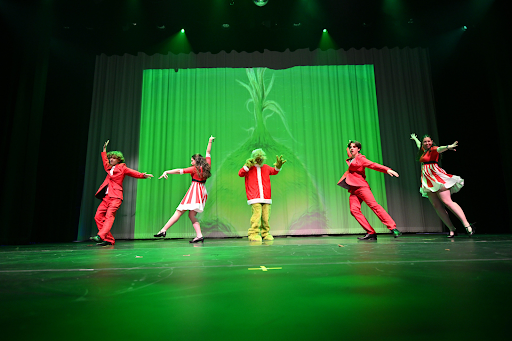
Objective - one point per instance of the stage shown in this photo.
(416, 287)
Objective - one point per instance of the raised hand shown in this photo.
(164, 175)
(250, 162)
(279, 162)
(105, 145)
(453, 146)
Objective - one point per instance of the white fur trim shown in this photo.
(259, 201)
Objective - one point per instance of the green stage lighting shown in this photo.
(464, 28)
(182, 30)
(325, 30)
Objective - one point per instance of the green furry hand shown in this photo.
(279, 162)
(250, 162)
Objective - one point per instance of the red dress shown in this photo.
(196, 196)
(434, 178)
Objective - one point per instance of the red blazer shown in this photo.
(115, 181)
(355, 176)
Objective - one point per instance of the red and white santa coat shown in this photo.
(433, 177)
(196, 196)
(257, 183)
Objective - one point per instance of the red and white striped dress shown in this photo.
(196, 196)
(434, 178)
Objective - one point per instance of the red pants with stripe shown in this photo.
(360, 194)
(105, 215)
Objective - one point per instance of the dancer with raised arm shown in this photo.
(354, 180)
(259, 193)
(196, 196)
(111, 193)
(437, 185)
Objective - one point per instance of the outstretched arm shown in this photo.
(172, 171)
(209, 147)
(415, 139)
(105, 146)
(448, 147)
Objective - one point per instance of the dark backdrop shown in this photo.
(47, 100)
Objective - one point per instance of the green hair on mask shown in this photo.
(258, 155)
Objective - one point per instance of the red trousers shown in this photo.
(105, 215)
(360, 194)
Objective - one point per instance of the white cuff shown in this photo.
(181, 171)
(246, 168)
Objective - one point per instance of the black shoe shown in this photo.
(369, 237)
(472, 225)
(160, 234)
(104, 243)
(396, 233)
(96, 239)
(455, 234)
(197, 240)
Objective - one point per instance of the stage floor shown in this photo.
(416, 287)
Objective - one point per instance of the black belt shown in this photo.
(199, 181)
(428, 162)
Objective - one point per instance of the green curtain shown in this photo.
(308, 116)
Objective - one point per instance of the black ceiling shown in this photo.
(130, 26)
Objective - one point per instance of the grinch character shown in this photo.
(258, 190)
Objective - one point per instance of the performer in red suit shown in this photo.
(111, 193)
(437, 185)
(355, 181)
(196, 196)
(258, 190)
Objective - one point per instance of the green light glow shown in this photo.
(311, 112)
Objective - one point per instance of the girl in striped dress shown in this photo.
(196, 196)
(437, 185)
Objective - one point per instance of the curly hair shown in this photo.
(422, 151)
(357, 143)
(118, 155)
(259, 156)
(202, 166)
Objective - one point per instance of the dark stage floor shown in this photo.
(417, 287)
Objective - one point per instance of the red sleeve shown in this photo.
(348, 152)
(273, 170)
(189, 170)
(375, 166)
(133, 173)
(106, 164)
(242, 172)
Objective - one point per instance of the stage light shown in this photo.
(260, 3)
(296, 24)
(182, 30)
(225, 25)
(161, 27)
(411, 21)
(325, 30)
(464, 28)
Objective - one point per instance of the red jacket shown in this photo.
(355, 176)
(257, 183)
(115, 181)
